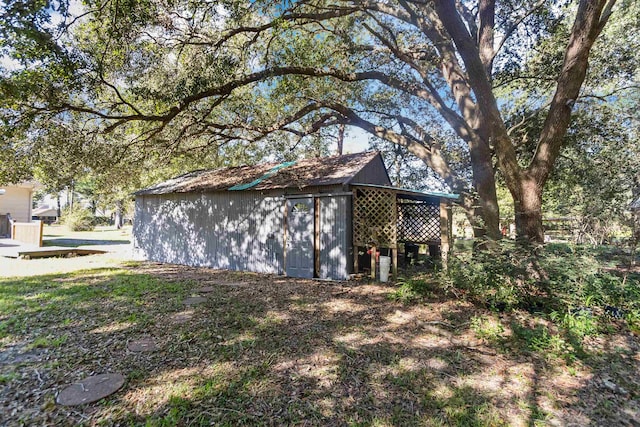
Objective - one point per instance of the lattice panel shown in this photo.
(418, 222)
(374, 217)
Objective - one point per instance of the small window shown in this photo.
(301, 207)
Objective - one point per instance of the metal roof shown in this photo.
(415, 193)
(333, 170)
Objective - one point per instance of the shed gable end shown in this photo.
(374, 172)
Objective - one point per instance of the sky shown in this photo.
(355, 141)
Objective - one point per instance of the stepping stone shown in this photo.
(90, 389)
(194, 301)
(182, 317)
(142, 345)
(205, 289)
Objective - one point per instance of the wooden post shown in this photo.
(316, 244)
(354, 237)
(394, 261)
(373, 262)
(356, 263)
(41, 233)
(285, 222)
(445, 225)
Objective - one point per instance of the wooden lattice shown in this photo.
(374, 217)
(418, 222)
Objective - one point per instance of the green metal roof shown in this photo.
(414, 192)
(257, 181)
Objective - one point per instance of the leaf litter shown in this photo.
(268, 350)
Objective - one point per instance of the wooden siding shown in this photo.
(17, 202)
(225, 230)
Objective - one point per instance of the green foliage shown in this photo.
(581, 324)
(78, 219)
(559, 277)
(498, 277)
(568, 288)
(49, 342)
(541, 340)
(487, 328)
(411, 290)
(133, 85)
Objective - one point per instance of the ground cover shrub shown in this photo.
(78, 219)
(573, 287)
(413, 289)
(487, 328)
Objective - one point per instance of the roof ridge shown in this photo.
(328, 170)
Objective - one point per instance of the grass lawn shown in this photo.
(59, 235)
(116, 242)
(267, 350)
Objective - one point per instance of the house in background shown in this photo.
(15, 200)
(309, 218)
(46, 214)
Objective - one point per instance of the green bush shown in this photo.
(102, 220)
(78, 219)
(572, 293)
(556, 278)
(411, 290)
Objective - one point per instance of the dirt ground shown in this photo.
(267, 350)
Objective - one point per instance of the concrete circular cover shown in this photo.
(90, 389)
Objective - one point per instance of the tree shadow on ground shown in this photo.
(265, 350)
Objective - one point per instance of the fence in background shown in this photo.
(27, 232)
(5, 225)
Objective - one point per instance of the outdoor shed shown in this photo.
(307, 219)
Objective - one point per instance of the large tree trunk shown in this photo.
(118, 217)
(59, 210)
(528, 211)
(485, 211)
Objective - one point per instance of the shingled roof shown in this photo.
(334, 170)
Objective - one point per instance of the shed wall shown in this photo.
(374, 172)
(335, 237)
(225, 230)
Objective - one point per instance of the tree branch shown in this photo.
(430, 154)
(586, 28)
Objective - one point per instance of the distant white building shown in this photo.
(16, 200)
(46, 214)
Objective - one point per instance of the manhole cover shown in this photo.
(142, 345)
(205, 289)
(90, 389)
(194, 300)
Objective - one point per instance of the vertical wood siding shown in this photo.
(225, 230)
